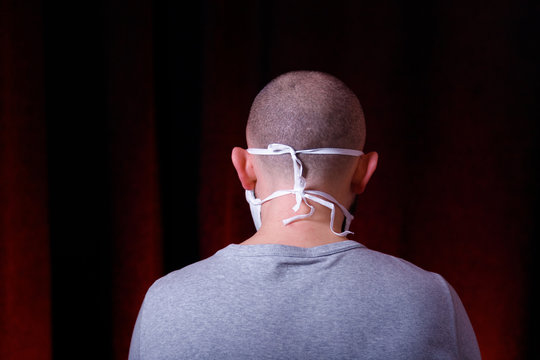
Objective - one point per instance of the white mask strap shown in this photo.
(299, 180)
(300, 183)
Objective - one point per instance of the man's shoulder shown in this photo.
(392, 266)
(398, 278)
(190, 275)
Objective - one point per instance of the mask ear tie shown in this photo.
(300, 185)
(301, 216)
(299, 181)
(330, 203)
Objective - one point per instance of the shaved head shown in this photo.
(306, 110)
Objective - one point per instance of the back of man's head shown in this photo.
(306, 110)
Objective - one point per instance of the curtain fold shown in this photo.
(137, 259)
(25, 284)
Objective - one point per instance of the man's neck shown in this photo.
(310, 232)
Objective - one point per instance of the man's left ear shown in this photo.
(244, 168)
(367, 164)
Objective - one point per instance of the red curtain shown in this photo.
(25, 290)
(117, 122)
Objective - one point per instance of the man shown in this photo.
(298, 288)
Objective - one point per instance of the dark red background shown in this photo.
(117, 119)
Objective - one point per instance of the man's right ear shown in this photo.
(244, 168)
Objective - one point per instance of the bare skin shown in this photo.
(310, 232)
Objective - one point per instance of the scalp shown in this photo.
(306, 110)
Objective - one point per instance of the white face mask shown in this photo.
(299, 190)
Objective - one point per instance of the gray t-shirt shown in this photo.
(336, 301)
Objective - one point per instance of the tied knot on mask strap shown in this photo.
(299, 187)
